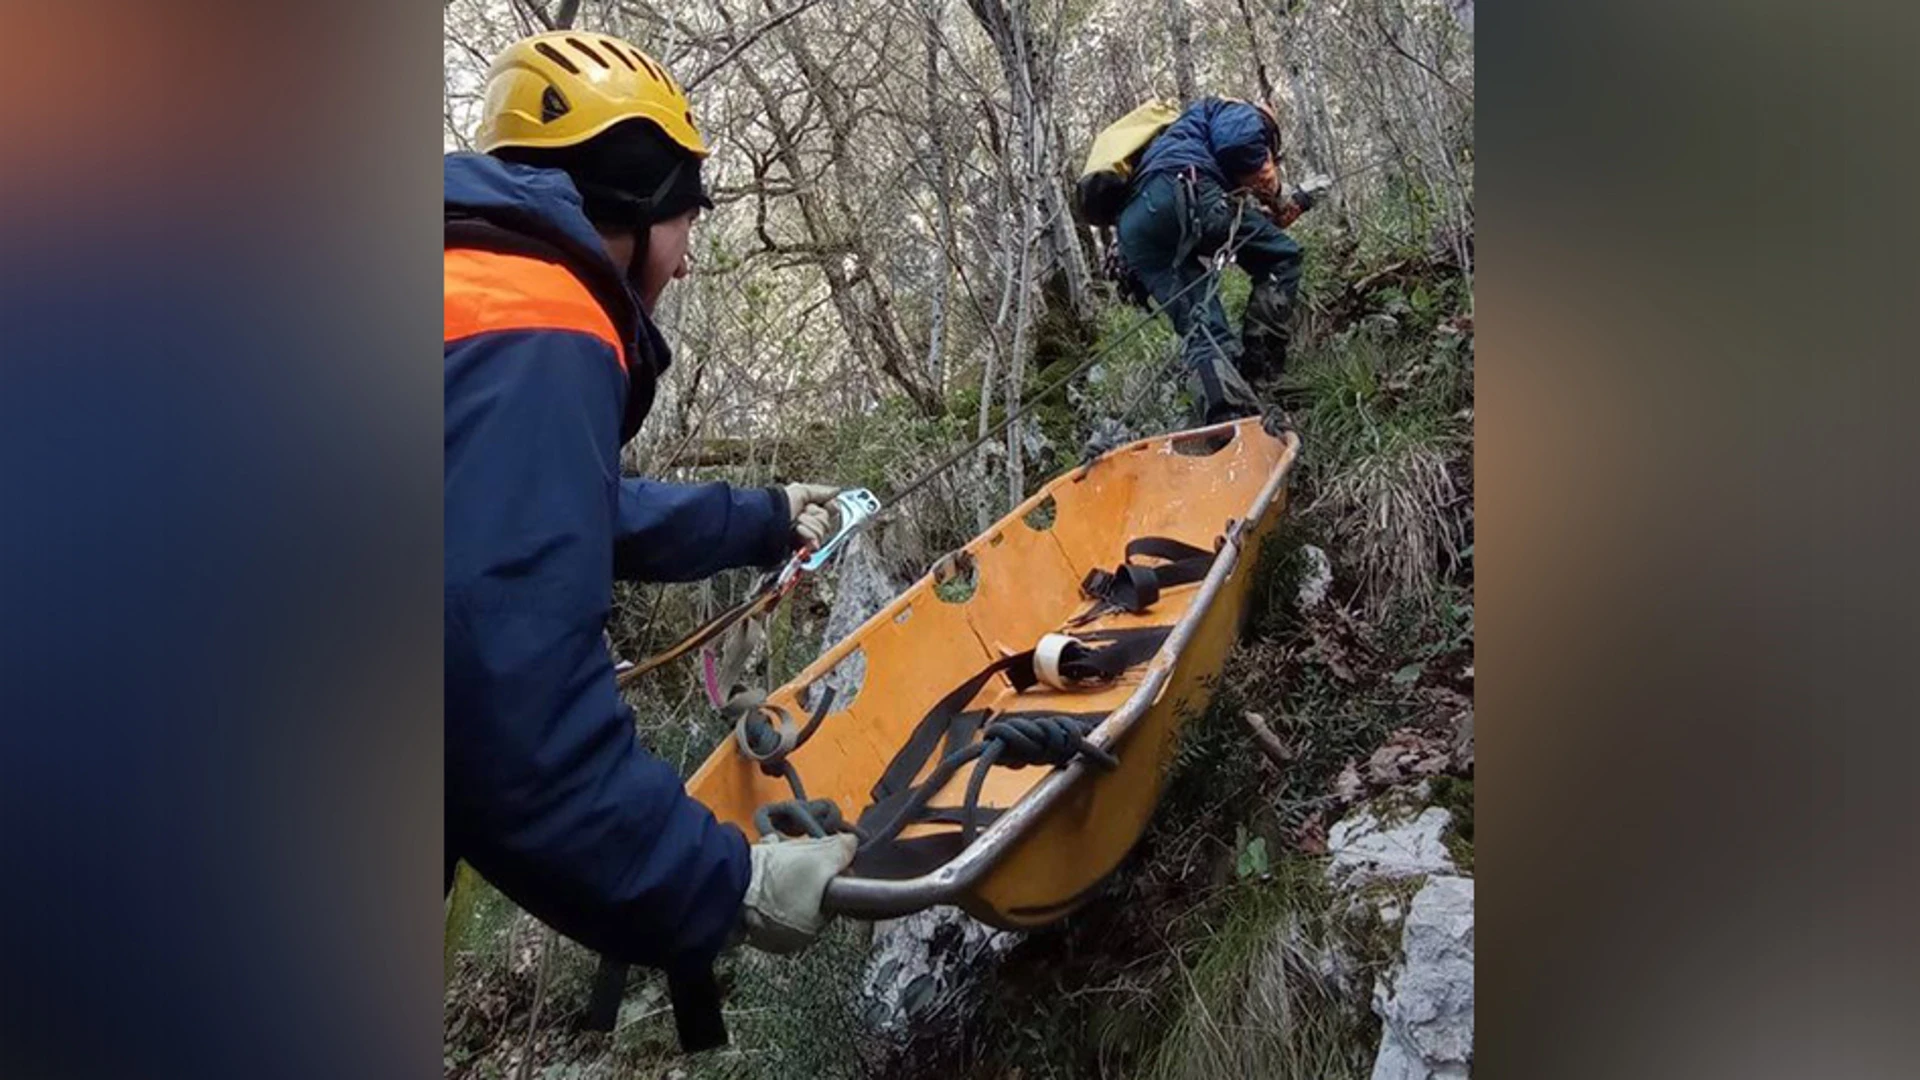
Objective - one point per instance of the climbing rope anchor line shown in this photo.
(766, 596)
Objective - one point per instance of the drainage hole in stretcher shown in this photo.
(956, 577)
(1204, 445)
(1041, 517)
(844, 678)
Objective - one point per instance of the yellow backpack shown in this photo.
(1101, 192)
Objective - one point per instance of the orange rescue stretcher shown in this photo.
(1004, 751)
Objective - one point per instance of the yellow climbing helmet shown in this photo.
(564, 87)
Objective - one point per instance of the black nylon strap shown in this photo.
(1123, 649)
(693, 992)
(954, 815)
(1105, 654)
(933, 727)
(695, 996)
(1124, 588)
(963, 729)
(603, 1004)
(1182, 558)
(1132, 587)
(899, 859)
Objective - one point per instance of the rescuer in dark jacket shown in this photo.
(560, 237)
(1179, 214)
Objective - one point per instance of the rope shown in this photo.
(801, 817)
(1016, 742)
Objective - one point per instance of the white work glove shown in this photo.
(812, 508)
(782, 913)
(1316, 184)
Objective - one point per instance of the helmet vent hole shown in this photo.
(594, 56)
(617, 54)
(652, 70)
(552, 105)
(554, 55)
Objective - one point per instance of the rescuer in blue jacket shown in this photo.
(1179, 213)
(560, 237)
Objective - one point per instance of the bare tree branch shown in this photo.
(1394, 44)
(746, 42)
(537, 11)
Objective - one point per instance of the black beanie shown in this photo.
(629, 175)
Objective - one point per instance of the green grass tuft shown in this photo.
(1386, 461)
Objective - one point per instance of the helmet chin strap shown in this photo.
(637, 214)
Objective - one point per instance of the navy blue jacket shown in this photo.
(549, 794)
(1225, 140)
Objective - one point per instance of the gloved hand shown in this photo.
(811, 506)
(782, 913)
(1308, 193)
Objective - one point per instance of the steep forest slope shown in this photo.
(890, 267)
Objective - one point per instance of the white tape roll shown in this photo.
(1046, 660)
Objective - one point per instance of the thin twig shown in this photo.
(539, 12)
(539, 998)
(1265, 739)
(1394, 43)
(744, 43)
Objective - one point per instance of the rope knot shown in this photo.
(1043, 740)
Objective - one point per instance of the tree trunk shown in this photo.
(1180, 28)
(1016, 365)
(1031, 93)
(1259, 62)
(942, 197)
(1313, 152)
(875, 301)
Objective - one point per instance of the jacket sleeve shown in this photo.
(685, 532)
(549, 794)
(1237, 135)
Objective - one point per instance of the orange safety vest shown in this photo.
(489, 291)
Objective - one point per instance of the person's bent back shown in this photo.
(1180, 214)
